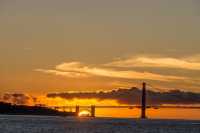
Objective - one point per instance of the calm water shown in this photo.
(45, 124)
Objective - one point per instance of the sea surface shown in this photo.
(44, 124)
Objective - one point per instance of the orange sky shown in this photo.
(57, 46)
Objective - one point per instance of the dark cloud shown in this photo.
(18, 98)
(133, 96)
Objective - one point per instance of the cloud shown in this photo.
(190, 63)
(18, 99)
(79, 70)
(133, 96)
(62, 73)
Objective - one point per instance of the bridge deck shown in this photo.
(131, 106)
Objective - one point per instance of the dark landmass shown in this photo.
(133, 96)
(9, 109)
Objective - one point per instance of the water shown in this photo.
(44, 124)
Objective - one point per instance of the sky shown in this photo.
(75, 45)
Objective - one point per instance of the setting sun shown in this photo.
(84, 113)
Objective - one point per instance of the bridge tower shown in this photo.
(92, 111)
(143, 102)
(77, 110)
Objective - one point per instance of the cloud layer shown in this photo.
(80, 70)
(133, 96)
(190, 63)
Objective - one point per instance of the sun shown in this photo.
(84, 113)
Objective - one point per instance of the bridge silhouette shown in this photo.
(143, 106)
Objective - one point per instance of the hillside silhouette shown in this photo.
(9, 109)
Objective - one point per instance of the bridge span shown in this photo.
(127, 106)
(93, 108)
(143, 106)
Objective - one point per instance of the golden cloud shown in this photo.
(190, 63)
(77, 69)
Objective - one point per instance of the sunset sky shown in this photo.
(88, 45)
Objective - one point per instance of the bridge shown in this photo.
(143, 106)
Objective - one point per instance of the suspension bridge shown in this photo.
(143, 106)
